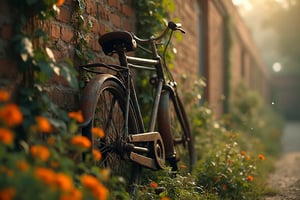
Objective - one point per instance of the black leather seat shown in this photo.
(110, 41)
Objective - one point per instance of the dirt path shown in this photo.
(286, 177)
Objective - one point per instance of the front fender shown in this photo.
(90, 95)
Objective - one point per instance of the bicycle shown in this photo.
(110, 101)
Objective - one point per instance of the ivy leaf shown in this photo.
(46, 68)
(70, 75)
(26, 49)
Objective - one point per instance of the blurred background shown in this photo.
(275, 30)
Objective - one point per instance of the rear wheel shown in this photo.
(109, 115)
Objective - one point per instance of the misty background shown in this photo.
(276, 32)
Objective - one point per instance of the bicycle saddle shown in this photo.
(110, 41)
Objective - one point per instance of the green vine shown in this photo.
(83, 28)
(152, 17)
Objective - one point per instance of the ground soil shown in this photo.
(284, 182)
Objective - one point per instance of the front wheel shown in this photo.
(109, 115)
(174, 127)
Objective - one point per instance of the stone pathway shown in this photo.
(286, 177)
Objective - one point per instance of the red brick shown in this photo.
(103, 12)
(55, 31)
(116, 19)
(91, 7)
(64, 15)
(67, 34)
(127, 10)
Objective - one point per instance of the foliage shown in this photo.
(40, 147)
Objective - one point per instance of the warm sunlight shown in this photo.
(245, 4)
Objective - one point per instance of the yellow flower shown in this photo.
(6, 136)
(81, 141)
(97, 155)
(7, 193)
(63, 182)
(43, 124)
(4, 96)
(77, 116)
(98, 132)
(250, 178)
(261, 157)
(11, 115)
(40, 152)
(60, 2)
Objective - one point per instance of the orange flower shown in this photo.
(105, 173)
(98, 132)
(97, 188)
(7, 193)
(74, 194)
(22, 165)
(11, 115)
(81, 141)
(60, 2)
(97, 155)
(46, 175)
(165, 198)
(229, 161)
(247, 158)
(243, 153)
(182, 166)
(40, 152)
(54, 164)
(77, 116)
(250, 178)
(261, 157)
(6, 136)
(4, 96)
(63, 182)
(153, 184)
(43, 124)
(51, 141)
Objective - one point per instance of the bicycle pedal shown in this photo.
(156, 150)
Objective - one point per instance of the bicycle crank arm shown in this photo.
(155, 155)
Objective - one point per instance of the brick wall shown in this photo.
(202, 46)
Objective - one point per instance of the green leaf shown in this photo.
(70, 75)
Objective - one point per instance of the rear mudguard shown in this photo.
(90, 96)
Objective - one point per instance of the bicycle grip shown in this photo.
(175, 26)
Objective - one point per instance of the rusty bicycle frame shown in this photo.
(163, 148)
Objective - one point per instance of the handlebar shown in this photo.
(171, 26)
